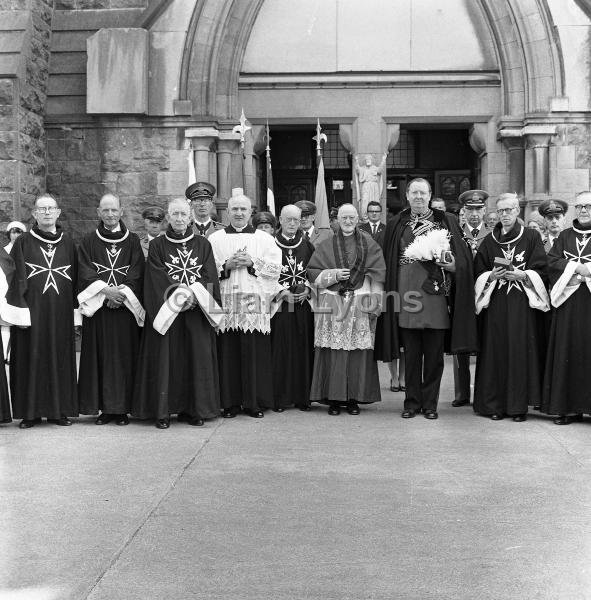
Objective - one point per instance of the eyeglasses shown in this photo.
(291, 219)
(580, 207)
(47, 209)
(505, 211)
(374, 212)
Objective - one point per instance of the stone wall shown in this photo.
(98, 4)
(141, 165)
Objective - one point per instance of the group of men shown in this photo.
(190, 320)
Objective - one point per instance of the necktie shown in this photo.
(374, 228)
(307, 234)
(474, 232)
(202, 228)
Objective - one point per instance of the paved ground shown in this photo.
(298, 505)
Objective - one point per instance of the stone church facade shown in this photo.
(119, 95)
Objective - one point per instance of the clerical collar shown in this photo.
(511, 237)
(48, 236)
(246, 229)
(178, 238)
(112, 236)
(284, 242)
(583, 229)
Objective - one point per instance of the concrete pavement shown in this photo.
(299, 506)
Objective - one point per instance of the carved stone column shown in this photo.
(228, 144)
(515, 146)
(203, 142)
(538, 139)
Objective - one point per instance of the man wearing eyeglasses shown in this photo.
(553, 211)
(200, 195)
(41, 303)
(510, 271)
(374, 225)
(566, 391)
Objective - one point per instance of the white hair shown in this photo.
(179, 200)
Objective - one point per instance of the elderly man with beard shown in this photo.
(177, 370)
(426, 298)
(292, 326)
(566, 390)
(348, 274)
(110, 280)
(510, 267)
(249, 266)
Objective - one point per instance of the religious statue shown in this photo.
(369, 182)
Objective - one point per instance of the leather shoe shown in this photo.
(457, 403)
(353, 408)
(121, 420)
(394, 388)
(104, 418)
(26, 423)
(162, 423)
(334, 410)
(255, 414)
(229, 413)
(279, 409)
(196, 421)
(537, 407)
(402, 388)
(431, 414)
(63, 421)
(304, 407)
(408, 414)
(520, 418)
(496, 417)
(562, 420)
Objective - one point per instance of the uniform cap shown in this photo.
(264, 217)
(201, 189)
(153, 213)
(473, 198)
(307, 207)
(552, 207)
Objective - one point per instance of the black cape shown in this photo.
(110, 337)
(7, 271)
(292, 329)
(178, 371)
(566, 387)
(462, 336)
(43, 358)
(508, 373)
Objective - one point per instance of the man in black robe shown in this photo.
(177, 370)
(510, 267)
(566, 390)
(426, 299)
(292, 326)
(6, 277)
(41, 304)
(110, 278)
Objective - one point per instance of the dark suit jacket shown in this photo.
(379, 236)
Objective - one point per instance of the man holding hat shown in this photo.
(153, 217)
(200, 195)
(554, 212)
(474, 230)
(310, 231)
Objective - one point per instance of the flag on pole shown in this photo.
(270, 194)
(191, 162)
(320, 199)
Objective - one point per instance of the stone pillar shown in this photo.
(203, 143)
(538, 141)
(228, 142)
(514, 144)
(251, 164)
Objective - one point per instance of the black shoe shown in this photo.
(334, 409)
(562, 420)
(578, 418)
(196, 421)
(104, 418)
(229, 413)
(353, 408)
(457, 403)
(408, 414)
(537, 407)
(402, 388)
(394, 388)
(304, 407)
(255, 414)
(520, 418)
(121, 420)
(27, 423)
(431, 414)
(63, 421)
(7, 420)
(279, 410)
(497, 417)
(162, 423)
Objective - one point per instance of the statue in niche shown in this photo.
(369, 182)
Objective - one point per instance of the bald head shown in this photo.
(290, 219)
(239, 211)
(109, 211)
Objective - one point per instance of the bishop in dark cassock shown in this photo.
(6, 275)
(178, 371)
(292, 326)
(41, 303)
(566, 390)
(110, 279)
(510, 267)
